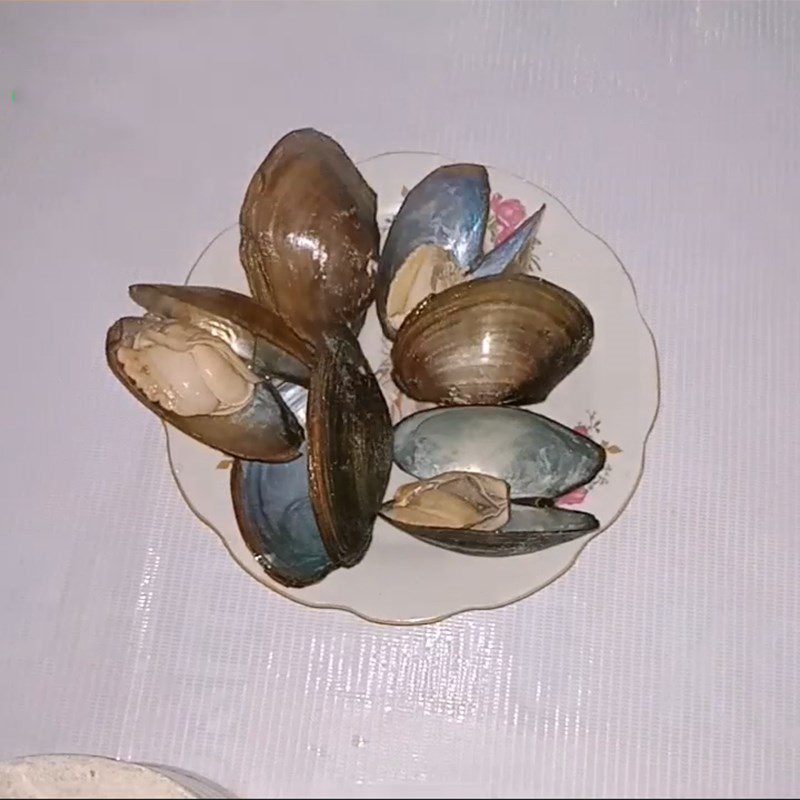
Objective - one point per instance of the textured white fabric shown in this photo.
(666, 661)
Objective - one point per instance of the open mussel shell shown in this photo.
(303, 519)
(349, 447)
(448, 208)
(514, 254)
(309, 236)
(254, 333)
(536, 456)
(528, 530)
(263, 430)
(274, 514)
(497, 340)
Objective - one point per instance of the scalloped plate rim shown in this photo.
(582, 543)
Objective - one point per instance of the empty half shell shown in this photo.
(514, 254)
(536, 456)
(497, 340)
(194, 380)
(349, 447)
(274, 514)
(447, 209)
(309, 237)
(529, 529)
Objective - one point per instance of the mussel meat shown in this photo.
(428, 270)
(536, 456)
(257, 335)
(504, 339)
(309, 235)
(452, 500)
(201, 359)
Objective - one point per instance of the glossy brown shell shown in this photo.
(309, 236)
(253, 332)
(265, 430)
(502, 340)
(349, 447)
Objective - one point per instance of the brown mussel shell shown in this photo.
(265, 430)
(349, 447)
(253, 332)
(309, 235)
(501, 340)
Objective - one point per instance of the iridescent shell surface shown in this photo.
(274, 514)
(529, 529)
(535, 455)
(447, 208)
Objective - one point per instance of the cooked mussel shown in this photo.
(536, 456)
(439, 230)
(528, 530)
(505, 339)
(201, 358)
(259, 336)
(452, 500)
(436, 241)
(470, 512)
(309, 236)
(303, 519)
(430, 269)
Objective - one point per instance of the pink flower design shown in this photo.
(577, 496)
(508, 215)
(573, 498)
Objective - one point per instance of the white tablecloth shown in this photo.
(666, 661)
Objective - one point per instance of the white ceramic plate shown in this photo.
(612, 396)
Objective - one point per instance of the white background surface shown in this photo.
(666, 661)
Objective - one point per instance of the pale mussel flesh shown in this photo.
(304, 519)
(309, 236)
(201, 359)
(504, 340)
